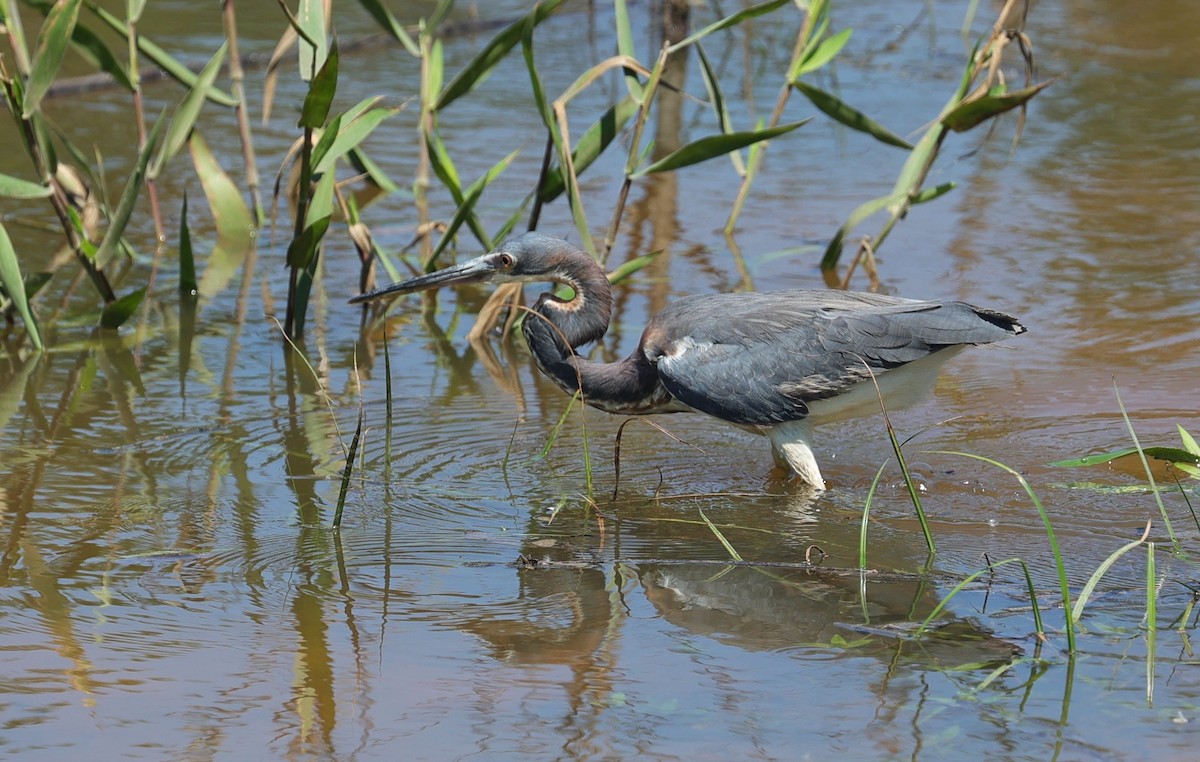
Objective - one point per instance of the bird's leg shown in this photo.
(790, 448)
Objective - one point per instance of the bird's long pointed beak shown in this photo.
(472, 271)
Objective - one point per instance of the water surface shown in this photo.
(171, 588)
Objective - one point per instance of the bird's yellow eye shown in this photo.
(506, 261)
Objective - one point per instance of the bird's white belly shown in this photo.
(900, 387)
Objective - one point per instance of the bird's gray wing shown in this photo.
(760, 358)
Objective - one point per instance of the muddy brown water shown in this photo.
(170, 587)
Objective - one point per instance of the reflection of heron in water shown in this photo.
(564, 613)
(773, 363)
(786, 608)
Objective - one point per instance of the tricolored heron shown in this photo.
(774, 363)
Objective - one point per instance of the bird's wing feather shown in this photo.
(760, 358)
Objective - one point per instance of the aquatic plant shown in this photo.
(333, 179)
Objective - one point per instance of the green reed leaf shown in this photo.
(352, 130)
(385, 19)
(119, 218)
(819, 55)
(440, 12)
(52, 42)
(842, 112)
(320, 92)
(728, 21)
(929, 194)
(466, 208)
(302, 248)
(235, 226)
(16, 35)
(116, 313)
(480, 67)
(864, 210)
(15, 187)
(626, 47)
(712, 83)
(310, 24)
(1189, 442)
(187, 261)
(14, 285)
(320, 211)
(89, 45)
(591, 144)
(163, 60)
(365, 165)
(712, 146)
(443, 167)
(1168, 454)
(973, 111)
(185, 116)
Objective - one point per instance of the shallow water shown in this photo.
(170, 587)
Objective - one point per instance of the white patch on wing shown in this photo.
(685, 345)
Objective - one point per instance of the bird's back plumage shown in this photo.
(762, 358)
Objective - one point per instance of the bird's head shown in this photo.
(531, 257)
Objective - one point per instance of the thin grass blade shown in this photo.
(866, 517)
(717, 533)
(562, 419)
(1064, 587)
(1162, 509)
(945, 601)
(1086, 593)
(346, 472)
(1151, 620)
